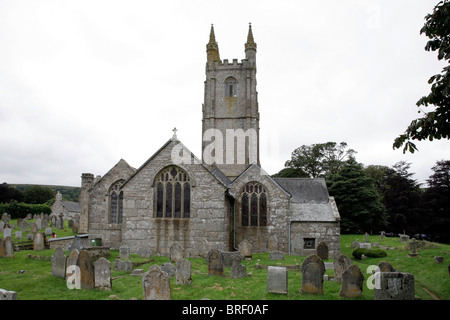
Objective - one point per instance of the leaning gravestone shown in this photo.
(9, 248)
(238, 270)
(86, 266)
(156, 284)
(59, 261)
(215, 263)
(395, 286)
(341, 264)
(38, 242)
(102, 269)
(322, 250)
(183, 272)
(313, 270)
(352, 282)
(277, 280)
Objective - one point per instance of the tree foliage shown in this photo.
(433, 124)
(38, 194)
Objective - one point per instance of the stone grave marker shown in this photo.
(341, 264)
(76, 244)
(352, 282)
(355, 244)
(215, 263)
(313, 270)
(176, 252)
(18, 235)
(9, 248)
(7, 232)
(245, 249)
(124, 252)
(33, 227)
(72, 260)
(183, 272)
(48, 231)
(2, 248)
(395, 286)
(385, 267)
(365, 245)
(102, 270)
(23, 225)
(169, 268)
(238, 270)
(277, 280)
(272, 242)
(39, 224)
(403, 238)
(276, 255)
(145, 252)
(322, 250)
(59, 262)
(38, 242)
(8, 295)
(86, 266)
(123, 265)
(413, 245)
(156, 284)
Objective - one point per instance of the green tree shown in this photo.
(8, 193)
(433, 124)
(357, 199)
(319, 160)
(38, 194)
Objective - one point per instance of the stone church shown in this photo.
(216, 201)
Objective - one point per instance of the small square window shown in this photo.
(309, 243)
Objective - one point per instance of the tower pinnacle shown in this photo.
(212, 48)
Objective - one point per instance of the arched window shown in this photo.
(172, 194)
(230, 87)
(254, 205)
(116, 203)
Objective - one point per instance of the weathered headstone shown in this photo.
(38, 242)
(156, 284)
(124, 252)
(39, 224)
(341, 264)
(18, 235)
(8, 295)
(352, 282)
(176, 252)
(245, 249)
(145, 252)
(365, 245)
(102, 270)
(413, 245)
(48, 231)
(382, 234)
(33, 227)
(123, 265)
(276, 255)
(313, 270)
(238, 270)
(395, 286)
(183, 272)
(366, 237)
(9, 248)
(215, 263)
(277, 280)
(87, 274)
(385, 267)
(272, 242)
(403, 238)
(355, 244)
(322, 250)
(7, 232)
(23, 225)
(59, 261)
(72, 261)
(76, 244)
(169, 268)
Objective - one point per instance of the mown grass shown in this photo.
(37, 283)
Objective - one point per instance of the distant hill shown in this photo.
(68, 193)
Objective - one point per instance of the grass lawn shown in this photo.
(35, 281)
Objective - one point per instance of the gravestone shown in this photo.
(365, 245)
(8, 295)
(322, 250)
(18, 235)
(413, 245)
(76, 244)
(7, 233)
(39, 224)
(183, 272)
(341, 264)
(169, 268)
(352, 282)
(38, 242)
(123, 265)
(33, 227)
(215, 263)
(313, 270)
(229, 257)
(102, 272)
(395, 286)
(272, 242)
(124, 252)
(355, 244)
(145, 252)
(366, 237)
(48, 231)
(156, 284)
(72, 261)
(276, 255)
(403, 238)
(382, 234)
(53, 220)
(23, 225)
(204, 248)
(86, 266)
(245, 249)
(385, 267)
(238, 270)
(59, 261)
(2, 248)
(9, 248)
(176, 252)
(277, 280)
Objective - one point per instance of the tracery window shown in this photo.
(116, 203)
(230, 87)
(173, 194)
(254, 205)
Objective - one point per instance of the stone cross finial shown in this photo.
(174, 133)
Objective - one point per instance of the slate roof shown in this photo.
(71, 206)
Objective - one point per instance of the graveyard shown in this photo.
(30, 273)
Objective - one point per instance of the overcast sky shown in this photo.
(84, 84)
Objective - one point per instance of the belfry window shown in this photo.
(172, 194)
(230, 87)
(254, 205)
(116, 203)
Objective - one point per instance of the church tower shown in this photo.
(230, 123)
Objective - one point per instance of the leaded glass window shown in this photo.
(172, 194)
(116, 203)
(254, 205)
